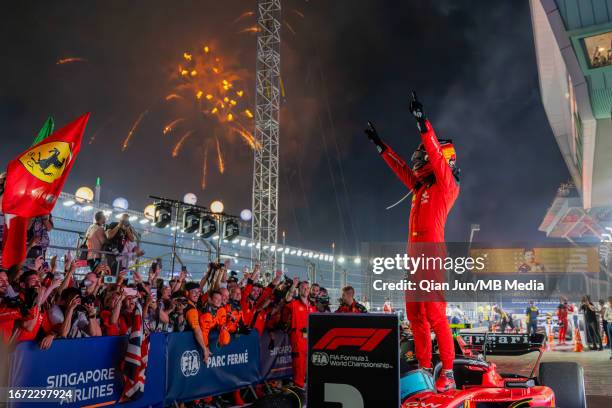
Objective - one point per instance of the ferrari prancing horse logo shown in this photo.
(47, 161)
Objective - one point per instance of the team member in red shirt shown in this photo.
(298, 310)
(434, 183)
(562, 311)
(254, 295)
(349, 304)
(10, 312)
(29, 284)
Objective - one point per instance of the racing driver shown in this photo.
(434, 183)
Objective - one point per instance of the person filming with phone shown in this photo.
(118, 235)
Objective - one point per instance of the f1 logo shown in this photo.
(365, 339)
(345, 395)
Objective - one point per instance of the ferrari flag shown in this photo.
(36, 177)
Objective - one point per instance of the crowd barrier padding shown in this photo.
(176, 370)
(233, 366)
(275, 355)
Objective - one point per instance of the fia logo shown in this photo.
(319, 358)
(190, 363)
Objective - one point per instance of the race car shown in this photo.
(481, 385)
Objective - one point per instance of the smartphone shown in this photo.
(159, 262)
(130, 292)
(110, 279)
(184, 268)
(154, 294)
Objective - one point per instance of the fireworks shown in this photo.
(209, 101)
(126, 142)
(220, 157)
(181, 142)
(209, 94)
(170, 126)
(70, 60)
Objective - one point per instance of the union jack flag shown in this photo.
(135, 360)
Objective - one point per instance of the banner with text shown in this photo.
(228, 368)
(353, 360)
(275, 353)
(89, 367)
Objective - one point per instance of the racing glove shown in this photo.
(416, 108)
(372, 134)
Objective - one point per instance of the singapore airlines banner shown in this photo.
(539, 260)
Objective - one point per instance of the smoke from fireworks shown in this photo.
(204, 169)
(249, 16)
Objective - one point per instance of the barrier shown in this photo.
(233, 366)
(175, 372)
(275, 355)
(90, 366)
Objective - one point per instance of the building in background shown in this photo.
(573, 44)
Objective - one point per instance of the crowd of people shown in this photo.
(41, 303)
(597, 317)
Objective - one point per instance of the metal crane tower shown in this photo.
(267, 106)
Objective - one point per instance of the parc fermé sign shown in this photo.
(353, 360)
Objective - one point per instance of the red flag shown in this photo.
(33, 183)
(36, 177)
(14, 241)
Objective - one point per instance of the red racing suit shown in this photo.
(431, 203)
(250, 306)
(297, 315)
(562, 310)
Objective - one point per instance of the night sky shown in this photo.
(348, 61)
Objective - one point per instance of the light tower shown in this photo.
(267, 106)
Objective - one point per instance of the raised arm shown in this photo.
(440, 167)
(396, 163)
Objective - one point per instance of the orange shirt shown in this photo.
(212, 319)
(192, 316)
